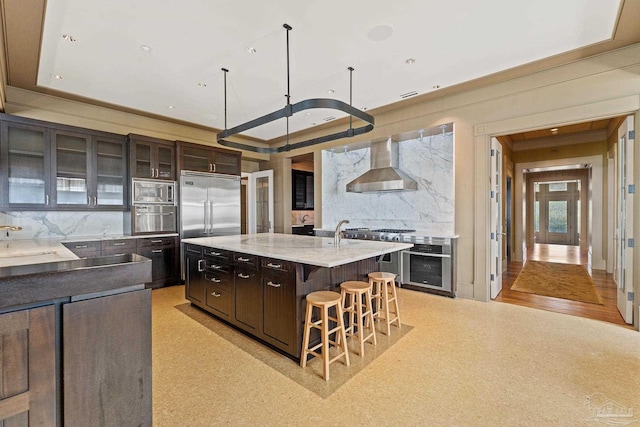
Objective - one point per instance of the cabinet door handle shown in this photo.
(243, 276)
(214, 280)
(119, 244)
(119, 254)
(200, 267)
(95, 201)
(46, 199)
(216, 267)
(81, 246)
(157, 251)
(243, 259)
(156, 241)
(215, 253)
(214, 167)
(216, 294)
(274, 284)
(210, 167)
(274, 265)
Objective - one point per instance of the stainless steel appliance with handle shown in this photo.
(209, 204)
(429, 266)
(153, 209)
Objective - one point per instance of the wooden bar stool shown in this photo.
(324, 300)
(382, 284)
(360, 312)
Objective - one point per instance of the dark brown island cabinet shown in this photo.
(262, 296)
(76, 343)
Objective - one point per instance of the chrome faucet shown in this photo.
(10, 227)
(338, 233)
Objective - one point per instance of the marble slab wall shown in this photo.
(62, 224)
(431, 208)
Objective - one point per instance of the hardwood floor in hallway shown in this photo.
(570, 255)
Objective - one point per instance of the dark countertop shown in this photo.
(37, 283)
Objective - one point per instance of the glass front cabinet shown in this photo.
(46, 166)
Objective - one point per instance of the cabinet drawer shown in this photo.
(214, 265)
(219, 299)
(276, 265)
(156, 242)
(120, 246)
(221, 280)
(218, 253)
(85, 249)
(245, 260)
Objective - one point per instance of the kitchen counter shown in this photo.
(38, 251)
(317, 251)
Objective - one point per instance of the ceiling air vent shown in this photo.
(408, 94)
(328, 119)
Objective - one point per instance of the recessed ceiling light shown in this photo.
(364, 108)
(57, 76)
(250, 50)
(436, 86)
(409, 94)
(380, 33)
(330, 91)
(202, 84)
(145, 48)
(409, 61)
(69, 38)
(171, 107)
(308, 113)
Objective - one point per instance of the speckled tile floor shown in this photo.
(464, 363)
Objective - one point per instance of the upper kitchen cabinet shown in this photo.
(152, 157)
(49, 166)
(195, 157)
(302, 190)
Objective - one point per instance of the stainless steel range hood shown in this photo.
(384, 174)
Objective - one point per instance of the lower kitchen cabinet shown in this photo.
(279, 308)
(194, 277)
(107, 360)
(28, 367)
(88, 249)
(163, 252)
(248, 299)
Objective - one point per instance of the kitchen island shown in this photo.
(258, 282)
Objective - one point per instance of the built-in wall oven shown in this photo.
(429, 266)
(153, 207)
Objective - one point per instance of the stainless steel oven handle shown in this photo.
(427, 254)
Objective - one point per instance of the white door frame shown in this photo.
(482, 144)
(624, 226)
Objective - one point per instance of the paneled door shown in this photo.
(496, 218)
(260, 202)
(623, 274)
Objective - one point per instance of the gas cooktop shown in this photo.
(388, 234)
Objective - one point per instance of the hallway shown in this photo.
(570, 255)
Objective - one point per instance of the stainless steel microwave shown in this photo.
(145, 191)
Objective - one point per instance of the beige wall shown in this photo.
(602, 86)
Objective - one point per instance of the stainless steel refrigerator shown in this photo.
(209, 204)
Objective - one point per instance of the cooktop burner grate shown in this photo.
(393, 230)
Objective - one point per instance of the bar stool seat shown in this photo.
(360, 312)
(384, 294)
(324, 300)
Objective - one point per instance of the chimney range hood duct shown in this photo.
(384, 174)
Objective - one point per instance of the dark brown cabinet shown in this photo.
(279, 302)
(103, 386)
(28, 367)
(118, 247)
(248, 292)
(194, 277)
(163, 252)
(88, 249)
(302, 191)
(195, 157)
(152, 157)
(50, 166)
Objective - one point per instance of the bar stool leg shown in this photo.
(305, 339)
(369, 318)
(385, 302)
(395, 303)
(342, 333)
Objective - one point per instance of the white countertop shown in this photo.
(310, 250)
(21, 252)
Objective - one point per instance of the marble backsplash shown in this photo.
(62, 224)
(431, 207)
